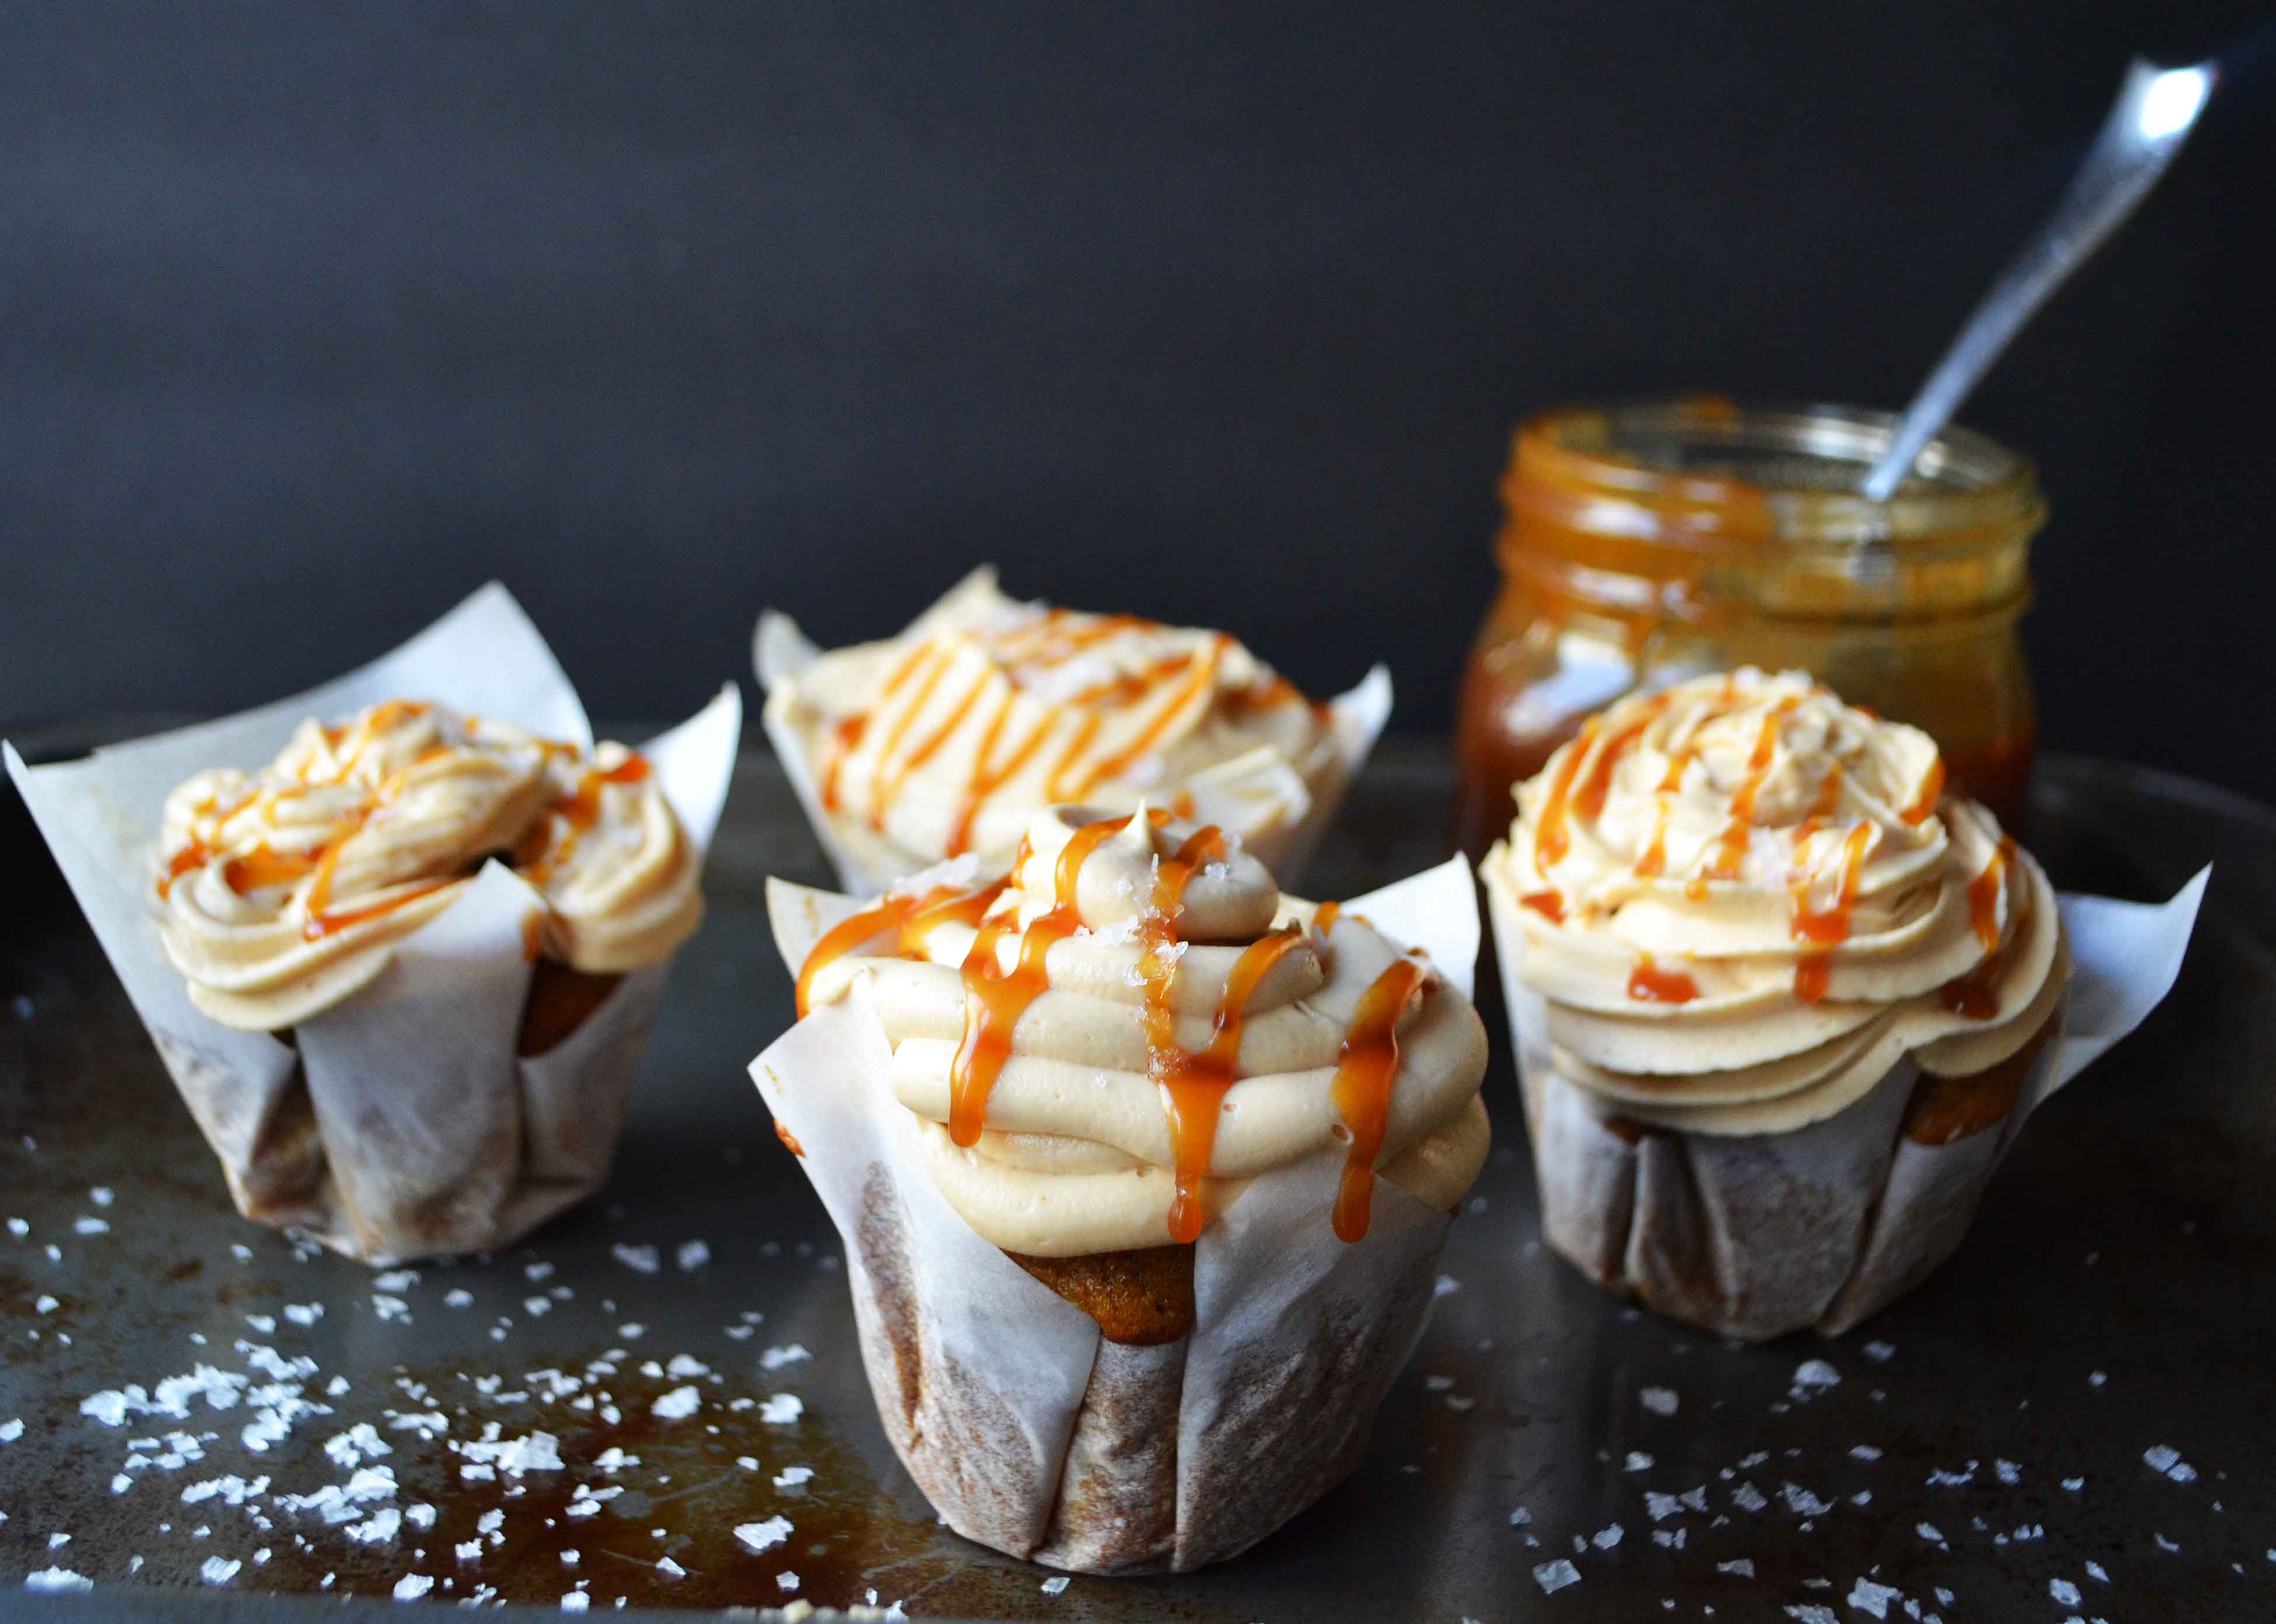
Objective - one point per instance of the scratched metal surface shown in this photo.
(2115, 1298)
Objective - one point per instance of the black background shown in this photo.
(312, 318)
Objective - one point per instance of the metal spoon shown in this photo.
(2154, 115)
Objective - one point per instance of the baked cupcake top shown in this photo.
(1744, 901)
(280, 892)
(1105, 1043)
(948, 737)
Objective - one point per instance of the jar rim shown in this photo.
(1699, 469)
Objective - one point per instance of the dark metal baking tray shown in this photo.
(1985, 1450)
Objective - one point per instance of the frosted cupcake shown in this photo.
(946, 740)
(1778, 999)
(1142, 1169)
(403, 968)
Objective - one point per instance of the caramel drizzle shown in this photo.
(1189, 680)
(1648, 983)
(1931, 788)
(1976, 994)
(1731, 849)
(1821, 932)
(1548, 904)
(1367, 1065)
(910, 917)
(995, 999)
(1552, 836)
(1193, 1129)
(1194, 1085)
(845, 738)
(543, 850)
(264, 866)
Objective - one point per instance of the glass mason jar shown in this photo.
(1650, 542)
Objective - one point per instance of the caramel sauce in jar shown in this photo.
(1646, 543)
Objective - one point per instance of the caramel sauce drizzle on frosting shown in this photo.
(264, 866)
(1366, 1068)
(575, 814)
(1192, 1105)
(994, 999)
(1976, 994)
(1194, 1084)
(1578, 787)
(1821, 932)
(1648, 983)
(1167, 690)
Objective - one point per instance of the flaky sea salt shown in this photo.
(1554, 1576)
(1659, 1401)
(782, 1409)
(774, 1358)
(2164, 1458)
(693, 1255)
(56, 1580)
(677, 1405)
(762, 1536)
(411, 1587)
(1815, 1373)
(218, 1570)
(638, 1259)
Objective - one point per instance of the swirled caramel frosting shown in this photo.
(1743, 901)
(281, 891)
(1107, 1044)
(948, 739)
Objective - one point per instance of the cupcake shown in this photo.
(1143, 1171)
(403, 967)
(1781, 1001)
(946, 740)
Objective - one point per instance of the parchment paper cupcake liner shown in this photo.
(401, 1123)
(780, 652)
(1756, 1235)
(1026, 1429)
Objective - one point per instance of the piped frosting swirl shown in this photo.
(1739, 888)
(1107, 1043)
(949, 738)
(281, 891)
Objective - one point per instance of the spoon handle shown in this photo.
(2147, 125)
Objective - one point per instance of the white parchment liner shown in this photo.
(1029, 1431)
(404, 1123)
(1756, 1235)
(780, 652)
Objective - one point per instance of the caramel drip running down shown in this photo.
(1732, 852)
(1976, 994)
(1366, 1066)
(1553, 837)
(577, 813)
(1192, 1129)
(1548, 904)
(1648, 983)
(986, 778)
(995, 999)
(1324, 919)
(1195, 1084)
(1931, 788)
(846, 739)
(789, 1139)
(1820, 933)
(910, 917)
